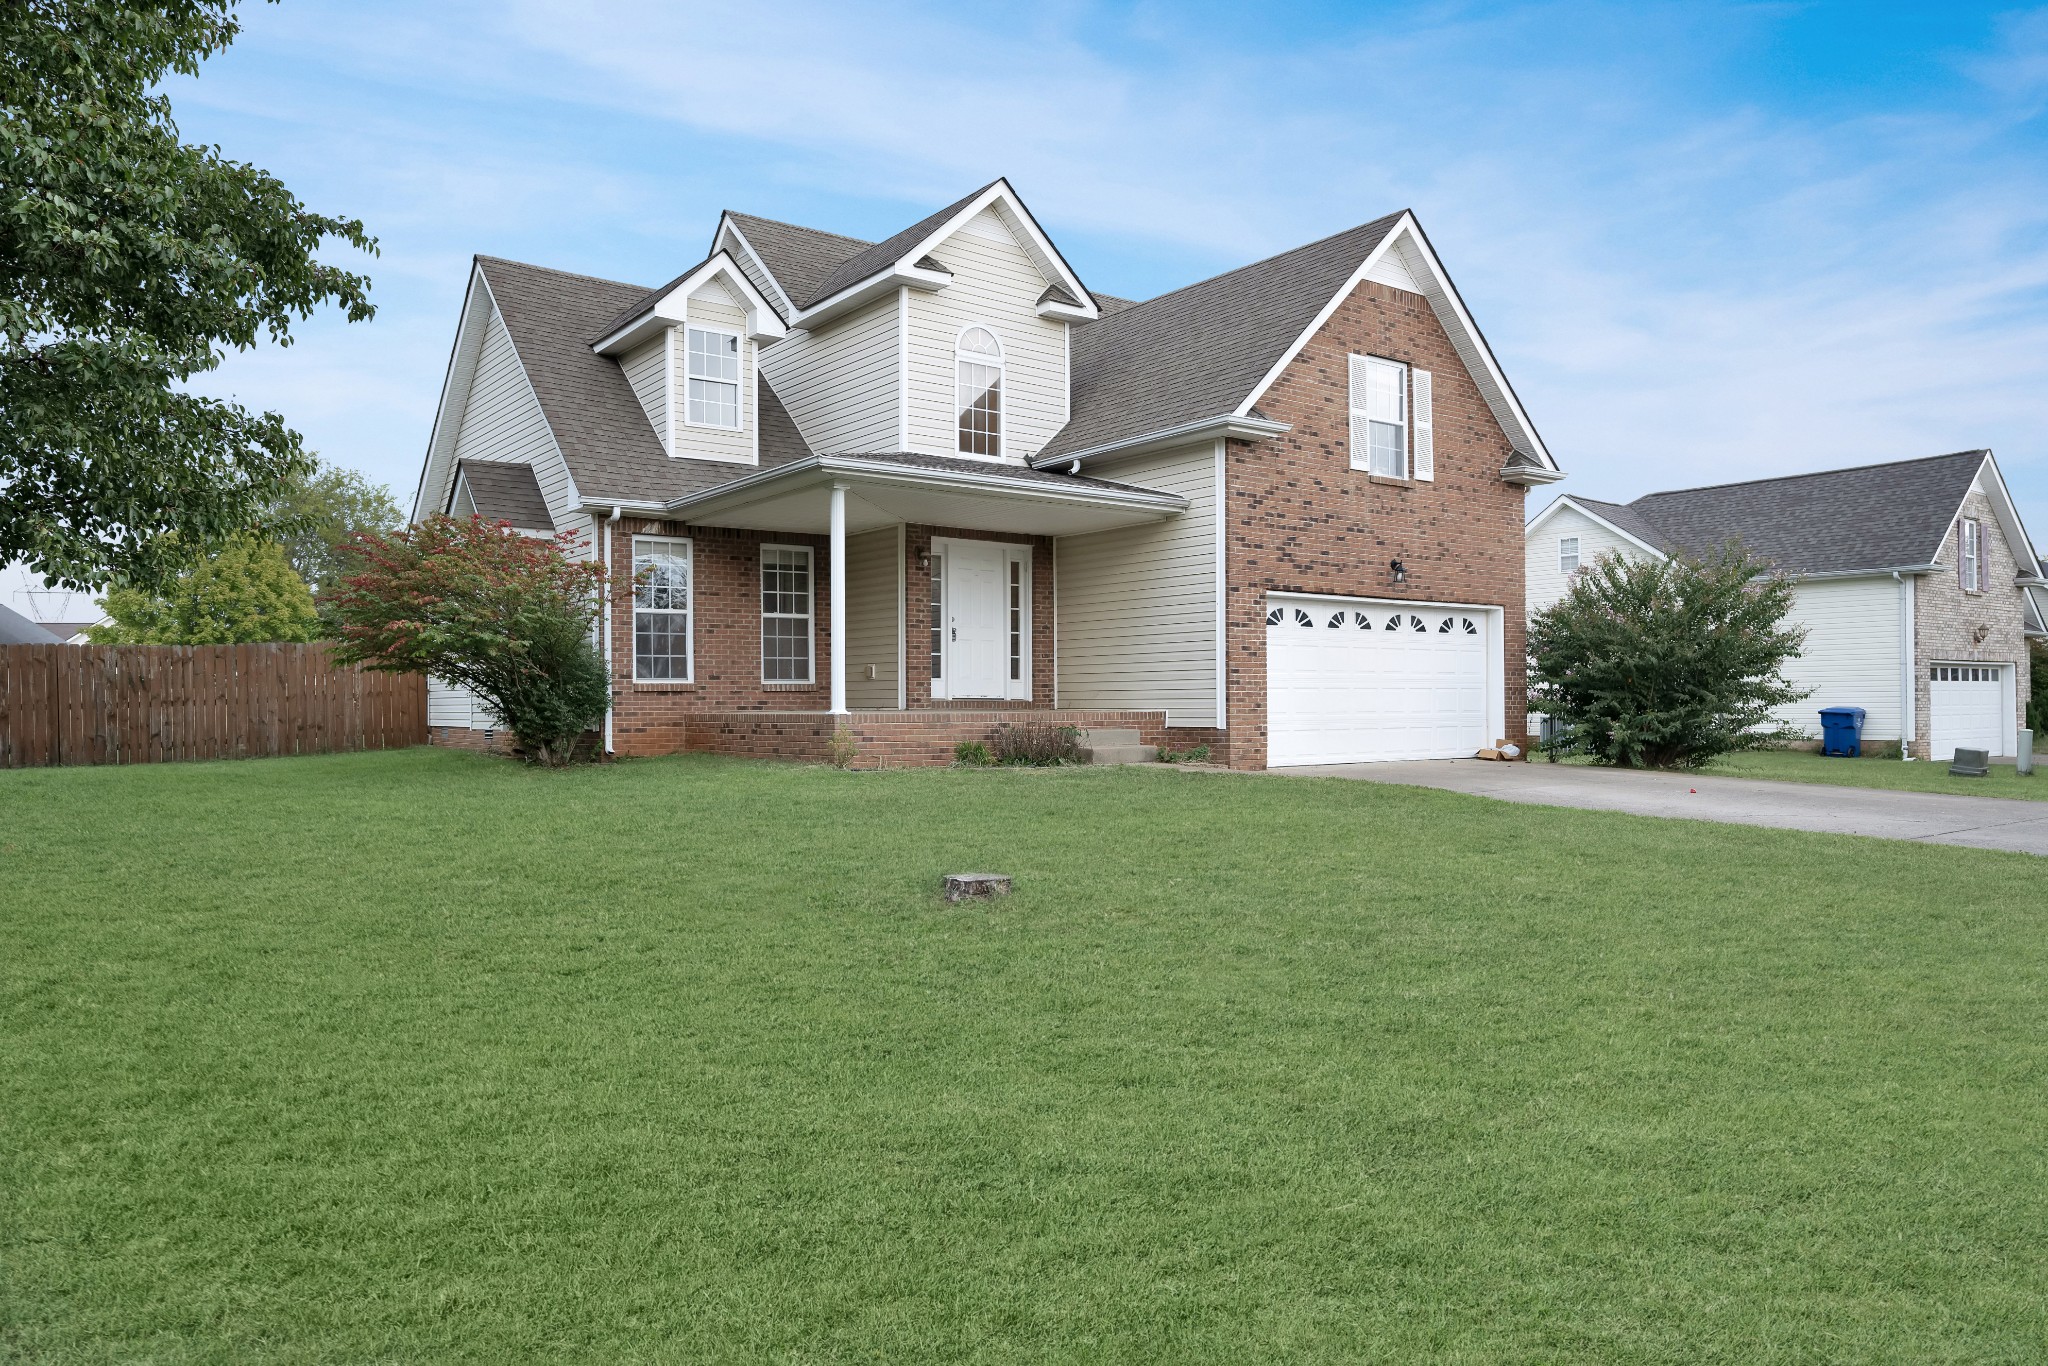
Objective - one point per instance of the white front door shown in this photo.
(976, 653)
(1967, 708)
(1357, 680)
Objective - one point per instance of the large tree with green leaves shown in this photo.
(1666, 663)
(246, 592)
(129, 262)
(318, 512)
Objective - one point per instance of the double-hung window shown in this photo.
(661, 609)
(785, 614)
(1970, 554)
(1379, 416)
(1567, 555)
(712, 372)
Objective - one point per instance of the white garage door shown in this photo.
(1966, 708)
(1356, 681)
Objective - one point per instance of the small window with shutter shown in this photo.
(1379, 416)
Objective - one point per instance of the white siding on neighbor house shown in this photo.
(839, 383)
(646, 372)
(873, 618)
(1851, 655)
(1544, 581)
(1135, 617)
(503, 421)
(713, 306)
(996, 285)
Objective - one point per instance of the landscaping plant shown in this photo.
(1665, 664)
(130, 261)
(2037, 695)
(972, 754)
(478, 604)
(245, 594)
(1036, 744)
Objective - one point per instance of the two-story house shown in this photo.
(911, 488)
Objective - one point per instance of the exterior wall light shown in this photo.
(1400, 571)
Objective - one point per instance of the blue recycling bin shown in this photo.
(1841, 731)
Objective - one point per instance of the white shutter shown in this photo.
(1425, 436)
(1361, 432)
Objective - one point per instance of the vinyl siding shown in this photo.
(1135, 624)
(503, 421)
(712, 306)
(449, 704)
(873, 618)
(645, 372)
(1851, 655)
(839, 383)
(1545, 582)
(996, 285)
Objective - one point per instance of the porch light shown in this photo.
(924, 558)
(1400, 571)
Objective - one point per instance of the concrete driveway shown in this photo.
(1978, 822)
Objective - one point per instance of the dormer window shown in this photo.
(979, 360)
(713, 371)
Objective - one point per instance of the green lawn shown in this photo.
(1806, 766)
(423, 1057)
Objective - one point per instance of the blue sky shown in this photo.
(1708, 241)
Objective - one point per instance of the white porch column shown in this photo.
(838, 553)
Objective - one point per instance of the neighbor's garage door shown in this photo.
(1356, 681)
(1966, 708)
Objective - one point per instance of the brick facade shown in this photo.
(889, 739)
(917, 653)
(1947, 620)
(1300, 519)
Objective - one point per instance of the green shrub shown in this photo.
(505, 615)
(246, 593)
(972, 754)
(1036, 744)
(1194, 755)
(1665, 664)
(2037, 696)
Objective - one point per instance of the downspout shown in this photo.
(1907, 718)
(610, 602)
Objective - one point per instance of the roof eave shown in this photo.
(1225, 426)
(1528, 475)
(903, 275)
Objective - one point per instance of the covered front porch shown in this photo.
(927, 586)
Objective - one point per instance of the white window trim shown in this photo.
(739, 385)
(810, 615)
(1577, 559)
(689, 609)
(1019, 688)
(1356, 411)
(1002, 391)
(1970, 553)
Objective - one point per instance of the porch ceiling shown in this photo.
(879, 492)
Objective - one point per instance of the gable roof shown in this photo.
(1867, 517)
(1199, 351)
(884, 254)
(799, 258)
(507, 491)
(1624, 518)
(605, 438)
(16, 629)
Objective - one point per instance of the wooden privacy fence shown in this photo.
(145, 704)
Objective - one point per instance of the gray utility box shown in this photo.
(1970, 763)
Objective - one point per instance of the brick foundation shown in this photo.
(920, 738)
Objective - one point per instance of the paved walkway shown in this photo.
(1979, 822)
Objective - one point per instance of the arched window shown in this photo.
(980, 392)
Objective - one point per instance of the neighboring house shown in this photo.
(1915, 581)
(918, 487)
(63, 613)
(16, 629)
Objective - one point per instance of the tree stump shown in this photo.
(962, 886)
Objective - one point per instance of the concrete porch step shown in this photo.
(1116, 745)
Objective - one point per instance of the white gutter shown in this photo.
(611, 688)
(1187, 433)
(884, 472)
(1907, 719)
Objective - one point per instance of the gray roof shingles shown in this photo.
(1870, 517)
(1199, 351)
(878, 257)
(507, 491)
